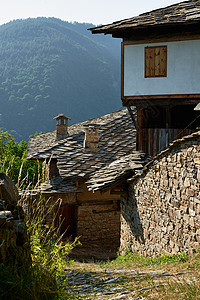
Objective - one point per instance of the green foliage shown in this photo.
(47, 67)
(47, 248)
(162, 259)
(46, 278)
(13, 161)
(129, 258)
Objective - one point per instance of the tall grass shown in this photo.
(45, 278)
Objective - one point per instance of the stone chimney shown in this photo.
(61, 126)
(91, 141)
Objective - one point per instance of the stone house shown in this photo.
(160, 76)
(73, 155)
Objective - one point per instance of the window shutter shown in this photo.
(163, 61)
(156, 61)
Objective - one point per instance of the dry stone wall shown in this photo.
(99, 228)
(14, 244)
(162, 212)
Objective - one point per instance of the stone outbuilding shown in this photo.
(76, 157)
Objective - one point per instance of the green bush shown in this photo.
(13, 161)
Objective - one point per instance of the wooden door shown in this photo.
(66, 219)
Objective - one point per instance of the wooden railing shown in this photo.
(154, 140)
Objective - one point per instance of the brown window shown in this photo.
(156, 61)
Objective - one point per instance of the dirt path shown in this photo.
(91, 281)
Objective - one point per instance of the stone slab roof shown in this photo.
(117, 139)
(117, 170)
(59, 185)
(181, 13)
(56, 185)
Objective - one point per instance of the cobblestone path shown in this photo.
(90, 281)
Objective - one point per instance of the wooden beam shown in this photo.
(112, 192)
(122, 70)
(149, 100)
(119, 183)
(170, 96)
(155, 32)
(163, 40)
(105, 211)
(95, 202)
(168, 117)
(139, 128)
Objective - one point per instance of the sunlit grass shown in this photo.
(130, 259)
(44, 277)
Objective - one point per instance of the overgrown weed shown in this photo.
(45, 278)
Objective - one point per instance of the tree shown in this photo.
(13, 161)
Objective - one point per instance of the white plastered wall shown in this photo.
(183, 70)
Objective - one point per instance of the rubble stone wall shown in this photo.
(14, 243)
(162, 212)
(99, 227)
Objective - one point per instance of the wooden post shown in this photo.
(139, 128)
(168, 117)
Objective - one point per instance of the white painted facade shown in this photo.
(183, 70)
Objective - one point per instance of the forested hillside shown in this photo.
(47, 67)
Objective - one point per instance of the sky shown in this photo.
(83, 11)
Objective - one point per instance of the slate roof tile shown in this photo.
(56, 185)
(117, 170)
(182, 12)
(117, 138)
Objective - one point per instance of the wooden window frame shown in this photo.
(155, 61)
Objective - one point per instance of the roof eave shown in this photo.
(120, 31)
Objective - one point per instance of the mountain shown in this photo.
(48, 67)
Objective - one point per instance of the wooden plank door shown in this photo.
(66, 219)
